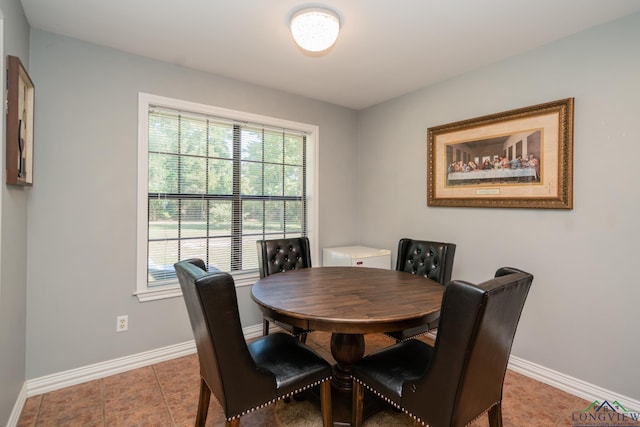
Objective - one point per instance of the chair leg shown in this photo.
(357, 402)
(495, 415)
(203, 404)
(325, 404)
(265, 327)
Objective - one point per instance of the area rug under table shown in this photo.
(305, 414)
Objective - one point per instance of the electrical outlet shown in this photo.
(122, 323)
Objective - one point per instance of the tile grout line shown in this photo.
(35, 422)
(164, 396)
(104, 402)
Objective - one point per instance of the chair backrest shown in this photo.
(280, 255)
(225, 362)
(475, 335)
(433, 260)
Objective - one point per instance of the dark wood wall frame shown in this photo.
(20, 104)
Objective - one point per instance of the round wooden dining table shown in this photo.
(348, 302)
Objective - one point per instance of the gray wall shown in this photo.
(82, 221)
(13, 237)
(582, 314)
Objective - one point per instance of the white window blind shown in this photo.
(216, 186)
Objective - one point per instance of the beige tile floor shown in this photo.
(166, 394)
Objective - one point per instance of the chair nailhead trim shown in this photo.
(279, 398)
(411, 337)
(392, 403)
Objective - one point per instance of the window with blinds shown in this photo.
(215, 186)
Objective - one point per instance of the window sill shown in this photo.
(157, 294)
(172, 291)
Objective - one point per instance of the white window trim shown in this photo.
(143, 292)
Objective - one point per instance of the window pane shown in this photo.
(163, 173)
(293, 182)
(193, 248)
(251, 144)
(220, 141)
(273, 147)
(193, 177)
(193, 214)
(273, 180)
(294, 217)
(220, 218)
(221, 177)
(163, 133)
(250, 252)
(293, 150)
(163, 219)
(220, 253)
(162, 256)
(193, 137)
(251, 179)
(252, 216)
(274, 216)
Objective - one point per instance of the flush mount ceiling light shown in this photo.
(315, 29)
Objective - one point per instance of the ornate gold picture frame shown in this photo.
(516, 159)
(20, 103)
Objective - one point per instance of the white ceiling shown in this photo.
(386, 48)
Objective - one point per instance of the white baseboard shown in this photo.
(564, 382)
(122, 364)
(60, 380)
(104, 369)
(574, 386)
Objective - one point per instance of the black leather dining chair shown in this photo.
(433, 260)
(243, 376)
(462, 375)
(279, 256)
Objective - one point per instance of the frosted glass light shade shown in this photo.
(315, 29)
